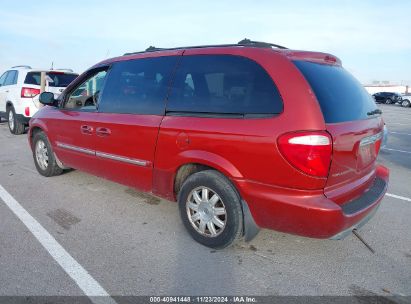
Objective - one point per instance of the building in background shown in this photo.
(386, 86)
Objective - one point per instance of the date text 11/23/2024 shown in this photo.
(205, 299)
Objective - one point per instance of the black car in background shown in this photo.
(387, 97)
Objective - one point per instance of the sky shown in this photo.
(371, 37)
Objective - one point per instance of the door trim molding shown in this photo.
(123, 159)
(133, 161)
(75, 148)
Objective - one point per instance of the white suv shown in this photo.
(19, 90)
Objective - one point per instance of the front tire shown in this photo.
(210, 209)
(43, 156)
(388, 101)
(15, 126)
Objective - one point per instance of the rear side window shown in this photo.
(11, 78)
(223, 84)
(54, 79)
(341, 96)
(137, 86)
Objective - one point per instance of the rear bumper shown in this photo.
(341, 235)
(311, 213)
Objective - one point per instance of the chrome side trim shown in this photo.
(75, 148)
(371, 139)
(123, 159)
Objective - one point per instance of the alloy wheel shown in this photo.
(42, 156)
(11, 120)
(206, 211)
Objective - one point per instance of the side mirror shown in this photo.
(47, 98)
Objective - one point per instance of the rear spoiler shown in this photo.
(317, 57)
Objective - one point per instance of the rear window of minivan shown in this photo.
(341, 97)
(58, 79)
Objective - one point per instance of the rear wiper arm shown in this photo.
(376, 111)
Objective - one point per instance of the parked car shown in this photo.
(233, 133)
(19, 90)
(387, 97)
(406, 101)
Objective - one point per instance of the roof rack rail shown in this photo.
(21, 66)
(153, 49)
(67, 70)
(149, 49)
(246, 41)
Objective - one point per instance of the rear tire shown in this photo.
(213, 216)
(388, 101)
(406, 103)
(15, 126)
(43, 156)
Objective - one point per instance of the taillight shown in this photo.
(378, 146)
(309, 152)
(29, 92)
(27, 111)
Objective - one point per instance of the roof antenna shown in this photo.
(52, 65)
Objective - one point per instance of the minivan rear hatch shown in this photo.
(355, 124)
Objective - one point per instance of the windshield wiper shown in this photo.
(376, 111)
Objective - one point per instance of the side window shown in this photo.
(138, 86)
(86, 95)
(33, 78)
(11, 78)
(223, 84)
(3, 78)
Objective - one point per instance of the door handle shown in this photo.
(86, 129)
(103, 132)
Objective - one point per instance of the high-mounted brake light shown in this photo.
(29, 92)
(329, 58)
(309, 152)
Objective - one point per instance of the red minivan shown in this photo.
(243, 136)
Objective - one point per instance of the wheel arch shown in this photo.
(34, 129)
(186, 170)
(193, 161)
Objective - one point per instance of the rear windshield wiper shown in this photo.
(376, 111)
